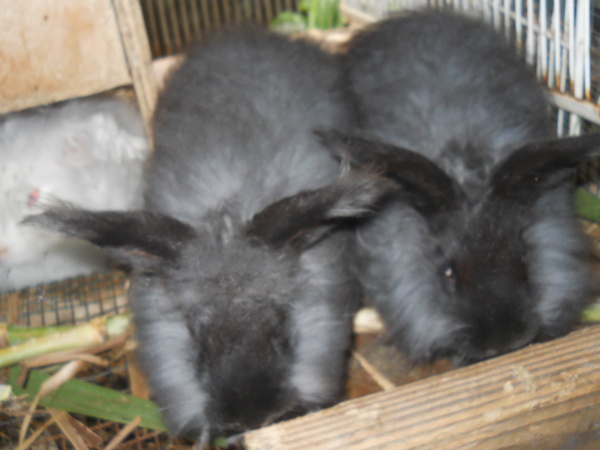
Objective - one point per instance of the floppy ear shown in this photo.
(542, 165)
(429, 188)
(139, 239)
(302, 219)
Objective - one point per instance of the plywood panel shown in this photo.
(51, 50)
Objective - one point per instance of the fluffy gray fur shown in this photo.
(241, 293)
(233, 135)
(477, 261)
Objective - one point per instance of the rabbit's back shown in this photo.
(234, 126)
(439, 83)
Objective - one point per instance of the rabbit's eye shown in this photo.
(449, 274)
(448, 270)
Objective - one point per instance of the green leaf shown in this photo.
(325, 14)
(320, 14)
(587, 205)
(592, 313)
(76, 396)
(288, 22)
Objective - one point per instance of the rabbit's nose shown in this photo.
(3, 251)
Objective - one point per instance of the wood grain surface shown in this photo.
(52, 50)
(544, 396)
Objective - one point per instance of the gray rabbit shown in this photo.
(479, 252)
(241, 293)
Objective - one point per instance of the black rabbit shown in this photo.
(480, 251)
(241, 293)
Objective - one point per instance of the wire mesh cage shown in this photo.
(172, 24)
(558, 37)
(70, 301)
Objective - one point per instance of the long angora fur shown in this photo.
(480, 251)
(242, 298)
(89, 152)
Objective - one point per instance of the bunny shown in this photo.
(88, 152)
(241, 293)
(479, 252)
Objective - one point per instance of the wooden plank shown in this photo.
(52, 50)
(542, 394)
(139, 58)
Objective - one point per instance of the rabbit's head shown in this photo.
(239, 324)
(471, 274)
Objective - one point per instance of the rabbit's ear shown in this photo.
(139, 239)
(541, 165)
(428, 187)
(302, 219)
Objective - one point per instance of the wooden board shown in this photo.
(544, 396)
(133, 35)
(52, 50)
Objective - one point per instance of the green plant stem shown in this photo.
(17, 334)
(93, 332)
